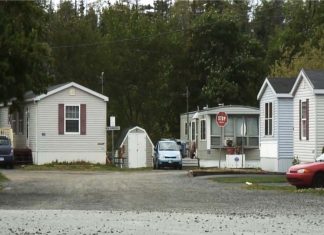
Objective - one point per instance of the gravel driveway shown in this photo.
(150, 202)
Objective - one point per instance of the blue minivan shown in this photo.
(167, 153)
(6, 152)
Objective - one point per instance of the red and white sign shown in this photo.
(221, 119)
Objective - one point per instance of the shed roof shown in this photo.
(31, 96)
(125, 132)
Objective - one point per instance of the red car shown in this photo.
(306, 175)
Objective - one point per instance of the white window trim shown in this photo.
(205, 130)
(265, 118)
(72, 133)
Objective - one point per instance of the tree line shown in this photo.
(148, 55)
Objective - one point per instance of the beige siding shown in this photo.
(31, 141)
(48, 139)
(305, 149)
(4, 122)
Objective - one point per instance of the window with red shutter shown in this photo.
(83, 119)
(61, 119)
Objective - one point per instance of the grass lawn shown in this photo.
(253, 179)
(262, 182)
(2, 178)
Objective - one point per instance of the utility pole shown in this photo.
(187, 98)
(102, 81)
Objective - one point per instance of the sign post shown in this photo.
(243, 134)
(221, 120)
(112, 128)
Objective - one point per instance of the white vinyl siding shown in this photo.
(48, 138)
(305, 149)
(319, 123)
(285, 131)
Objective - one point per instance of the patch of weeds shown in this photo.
(2, 179)
(79, 166)
(291, 189)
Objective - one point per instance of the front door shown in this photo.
(136, 150)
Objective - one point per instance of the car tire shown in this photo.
(318, 181)
(180, 167)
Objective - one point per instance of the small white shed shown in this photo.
(135, 148)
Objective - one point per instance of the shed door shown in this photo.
(137, 150)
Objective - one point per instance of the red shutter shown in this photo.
(300, 126)
(307, 119)
(61, 119)
(83, 119)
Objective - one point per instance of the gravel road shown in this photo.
(150, 202)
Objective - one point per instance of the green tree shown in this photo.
(311, 56)
(25, 57)
(228, 58)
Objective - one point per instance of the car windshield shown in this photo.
(4, 142)
(172, 146)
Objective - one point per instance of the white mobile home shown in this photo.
(68, 123)
(211, 142)
(308, 92)
(276, 126)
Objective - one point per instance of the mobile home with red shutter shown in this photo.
(67, 124)
(308, 92)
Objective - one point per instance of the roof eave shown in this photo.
(319, 91)
(284, 95)
(42, 96)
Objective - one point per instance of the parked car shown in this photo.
(308, 174)
(6, 152)
(167, 153)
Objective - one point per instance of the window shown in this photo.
(186, 128)
(304, 119)
(203, 130)
(72, 119)
(268, 119)
(248, 125)
(215, 135)
(193, 131)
